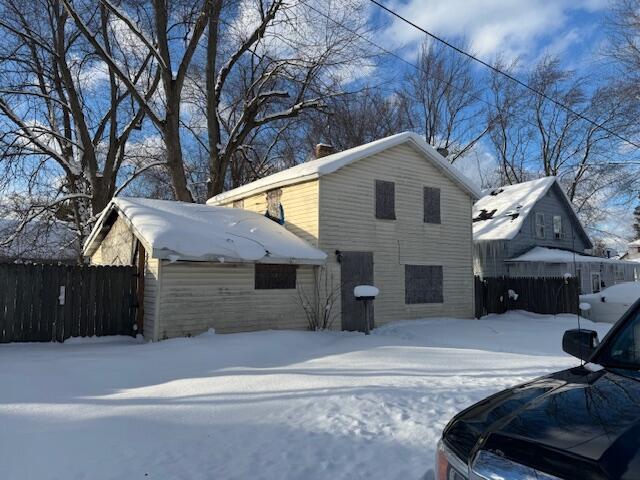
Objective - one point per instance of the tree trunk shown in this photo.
(213, 125)
(216, 185)
(175, 164)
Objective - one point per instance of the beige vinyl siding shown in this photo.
(151, 287)
(117, 247)
(347, 222)
(196, 296)
(300, 204)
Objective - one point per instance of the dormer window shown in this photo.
(540, 227)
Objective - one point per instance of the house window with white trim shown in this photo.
(596, 282)
(540, 225)
(557, 227)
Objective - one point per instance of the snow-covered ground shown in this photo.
(267, 405)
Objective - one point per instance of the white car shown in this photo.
(611, 303)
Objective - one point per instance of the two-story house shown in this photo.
(530, 229)
(391, 213)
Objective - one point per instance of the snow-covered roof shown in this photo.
(557, 255)
(500, 214)
(189, 231)
(635, 243)
(316, 168)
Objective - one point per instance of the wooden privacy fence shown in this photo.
(44, 303)
(540, 295)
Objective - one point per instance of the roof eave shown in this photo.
(92, 243)
(230, 196)
(164, 254)
(437, 159)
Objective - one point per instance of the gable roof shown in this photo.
(189, 231)
(501, 213)
(331, 163)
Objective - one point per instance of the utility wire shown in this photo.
(633, 161)
(505, 74)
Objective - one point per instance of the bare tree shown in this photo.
(64, 118)
(510, 134)
(170, 32)
(267, 73)
(532, 136)
(445, 96)
(623, 24)
(355, 119)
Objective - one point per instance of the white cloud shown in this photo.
(479, 166)
(509, 27)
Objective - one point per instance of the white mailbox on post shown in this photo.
(366, 294)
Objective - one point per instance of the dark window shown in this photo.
(431, 199)
(385, 200)
(423, 284)
(270, 276)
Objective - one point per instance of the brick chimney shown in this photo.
(324, 149)
(443, 151)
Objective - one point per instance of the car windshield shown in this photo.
(623, 350)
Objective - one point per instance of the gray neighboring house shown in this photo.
(531, 230)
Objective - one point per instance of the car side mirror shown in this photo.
(580, 343)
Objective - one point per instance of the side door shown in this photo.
(356, 268)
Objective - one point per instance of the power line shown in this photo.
(455, 87)
(505, 74)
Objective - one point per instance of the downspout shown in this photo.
(156, 317)
(140, 287)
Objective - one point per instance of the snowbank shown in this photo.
(626, 293)
(265, 405)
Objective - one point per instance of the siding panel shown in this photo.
(117, 247)
(300, 204)
(197, 296)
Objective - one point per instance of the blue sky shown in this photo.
(574, 31)
(526, 29)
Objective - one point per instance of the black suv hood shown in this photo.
(573, 424)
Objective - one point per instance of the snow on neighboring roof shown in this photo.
(557, 255)
(189, 231)
(38, 240)
(635, 243)
(316, 168)
(500, 214)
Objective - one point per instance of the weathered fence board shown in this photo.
(97, 300)
(551, 295)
